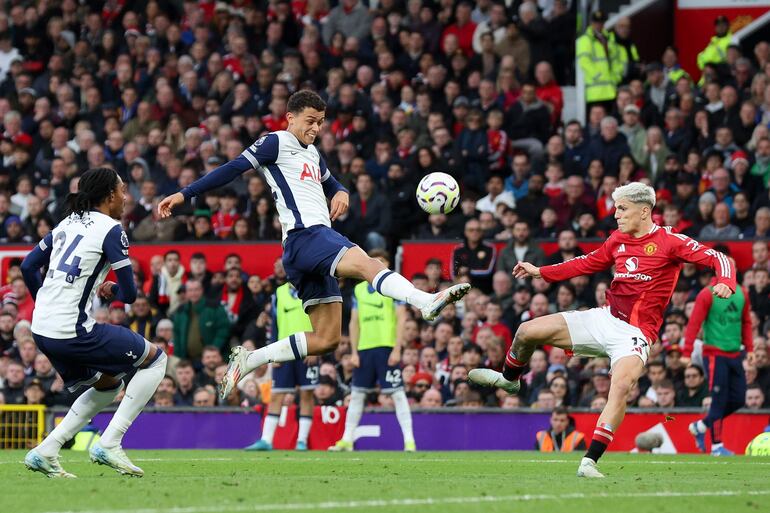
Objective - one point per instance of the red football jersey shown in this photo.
(646, 272)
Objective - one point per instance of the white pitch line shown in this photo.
(429, 501)
(277, 457)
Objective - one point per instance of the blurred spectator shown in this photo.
(165, 284)
(237, 300)
(496, 196)
(596, 53)
(475, 258)
(568, 248)
(462, 30)
(545, 400)
(695, 388)
(628, 55)
(610, 146)
(199, 322)
(13, 388)
(755, 397)
(211, 359)
(529, 122)
(142, 318)
(185, 384)
(204, 397)
(562, 436)
(431, 399)
(600, 387)
(716, 51)
(720, 228)
(369, 218)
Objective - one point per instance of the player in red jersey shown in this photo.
(647, 260)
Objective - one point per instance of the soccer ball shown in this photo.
(438, 193)
(760, 446)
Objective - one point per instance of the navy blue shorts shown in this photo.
(310, 258)
(296, 373)
(374, 370)
(108, 349)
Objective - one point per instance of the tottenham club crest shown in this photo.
(632, 264)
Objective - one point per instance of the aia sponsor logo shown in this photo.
(310, 172)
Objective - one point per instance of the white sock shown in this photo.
(304, 428)
(82, 411)
(138, 392)
(404, 415)
(355, 410)
(390, 283)
(717, 446)
(268, 429)
(287, 349)
(701, 427)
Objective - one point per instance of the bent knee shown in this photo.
(328, 343)
(527, 332)
(623, 384)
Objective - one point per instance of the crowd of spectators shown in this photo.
(167, 92)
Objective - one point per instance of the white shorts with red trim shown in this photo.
(596, 332)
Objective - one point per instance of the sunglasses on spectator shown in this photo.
(691, 375)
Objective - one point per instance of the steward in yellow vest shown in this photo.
(289, 318)
(376, 329)
(716, 50)
(598, 57)
(627, 66)
(562, 436)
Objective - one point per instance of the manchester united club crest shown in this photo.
(650, 249)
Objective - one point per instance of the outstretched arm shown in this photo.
(33, 262)
(262, 153)
(597, 260)
(220, 176)
(685, 249)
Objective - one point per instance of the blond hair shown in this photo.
(635, 192)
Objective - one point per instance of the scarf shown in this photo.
(233, 308)
(166, 283)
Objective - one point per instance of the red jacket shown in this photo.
(703, 303)
(464, 36)
(551, 94)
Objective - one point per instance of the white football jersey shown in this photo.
(83, 250)
(294, 173)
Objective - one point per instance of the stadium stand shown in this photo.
(168, 92)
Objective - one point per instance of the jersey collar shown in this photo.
(305, 146)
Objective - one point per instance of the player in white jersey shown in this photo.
(79, 253)
(314, 255)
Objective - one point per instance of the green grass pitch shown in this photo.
(441, 482)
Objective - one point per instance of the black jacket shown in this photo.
(523, 121)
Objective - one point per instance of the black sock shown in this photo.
(601, 439)
(595, 450)
(513, 368)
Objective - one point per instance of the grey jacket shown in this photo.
(356, 23)
(507, 258)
